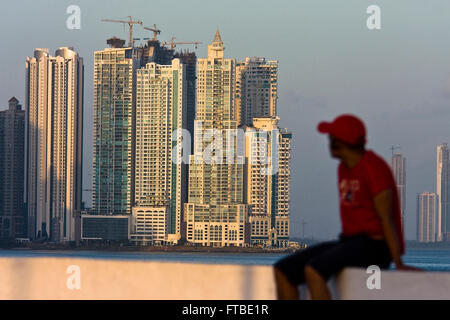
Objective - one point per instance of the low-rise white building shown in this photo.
(150, 225)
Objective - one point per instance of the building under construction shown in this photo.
(154, 51)
(157, 52)
(115, 116)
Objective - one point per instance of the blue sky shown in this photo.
(397, 79)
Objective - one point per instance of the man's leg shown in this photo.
(357, 250)
(317, 286)
(285, 289)
(289, 271)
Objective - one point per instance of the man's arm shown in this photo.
(383, 206)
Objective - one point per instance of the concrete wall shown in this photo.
(55, 278)
(46, 278)
(410, 285)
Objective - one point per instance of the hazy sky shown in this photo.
(397, 79)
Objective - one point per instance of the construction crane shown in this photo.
(155, 30)
(173, 44)
(130, 23)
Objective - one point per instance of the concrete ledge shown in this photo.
(395, 285)
(48, 277)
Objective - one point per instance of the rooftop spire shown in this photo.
(217, 37)
(215, 49)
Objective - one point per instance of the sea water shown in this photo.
(429, 259)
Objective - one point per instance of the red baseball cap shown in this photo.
(346, 127)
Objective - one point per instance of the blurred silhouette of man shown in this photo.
(370, 217)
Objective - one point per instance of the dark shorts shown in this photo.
(328, 258)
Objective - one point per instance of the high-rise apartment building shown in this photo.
(398, 165)
(153, 51)
(12, 149)
(268, 159)
(442, 189)
(256, 89)
(114, 101)
(54, 135)
(189, 60)
(215, 213)
(160, 175)
(426, 217)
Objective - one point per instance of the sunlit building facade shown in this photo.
(160, 175)
(216, 214)
(54, 124)
(114, 100)
(256, 89)
(267, 192)
(426, 217)
(150, 225)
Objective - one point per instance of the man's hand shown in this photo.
(383, 206)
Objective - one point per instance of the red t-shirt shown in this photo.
(357, 188)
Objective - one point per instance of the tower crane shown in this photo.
(130, 23)
(155, 30)
(174, 43)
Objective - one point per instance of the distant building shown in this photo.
(153, 51)
(105, 227)
(150, 225)
(267, 187)
(54, 135)
(160, 181)
(426, 217)
(114, 101)
(398, 165)
(189, 60)
(442, 192)
(216, 214)
(127, 85)
(256, 89)
(12, 150)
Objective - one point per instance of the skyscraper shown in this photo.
(426, 217)
(189, 60)
(268, 159)
(442, 188)
(398, 165)
(12, 148)
(160, 181)
(114, 101)
(256, 89)
(54, 124)
(115, 71)
(153, 51)
(215, 213)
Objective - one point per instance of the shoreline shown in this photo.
(150, 249)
